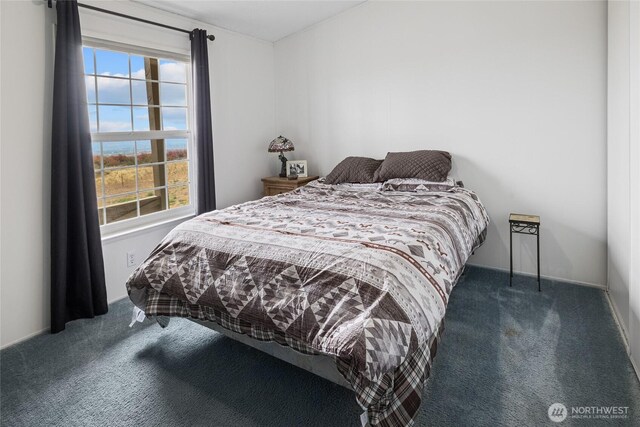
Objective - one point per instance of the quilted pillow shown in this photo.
(354, 170)
(430, 165)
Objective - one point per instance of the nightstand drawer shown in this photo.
(273, 190)
(275, 185)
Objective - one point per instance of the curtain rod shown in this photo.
(133, 18)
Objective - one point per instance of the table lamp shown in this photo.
(281, 144)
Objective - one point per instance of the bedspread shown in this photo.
(356, 273)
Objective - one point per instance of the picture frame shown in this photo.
(297, 168)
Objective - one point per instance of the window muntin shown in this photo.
(139, 115)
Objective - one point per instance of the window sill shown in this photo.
(130, 232)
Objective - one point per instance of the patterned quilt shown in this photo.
(350, 271)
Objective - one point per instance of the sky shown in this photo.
(130, 110)
(129, 148)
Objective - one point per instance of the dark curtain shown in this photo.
(77, 270)
(203, 135)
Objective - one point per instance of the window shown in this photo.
(138, 106)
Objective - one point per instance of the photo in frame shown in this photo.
(297, 168)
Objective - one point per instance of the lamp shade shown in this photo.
(280, 144)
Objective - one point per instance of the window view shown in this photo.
(138, 112)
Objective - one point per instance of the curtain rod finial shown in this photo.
(211, 37)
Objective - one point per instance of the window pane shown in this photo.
(89, 82)
(151, 151)
(151, 176)
(97, 155)
(173, 71)
(119, 181)
(120, 198)
(178, 196)
(178, 172)
(147, 193)
(114, 119)
(140, 118)
(153, 201)
(173, 94)
(140, 90)
(176, 149)
(113, 91)
(134, 93)
(99, 187)
(137, 67)
(143, 150)
(145, 118)
(93, 118)
(121, 207)
(111, 63)
(87, 54)
(120, 153)
(174, 118)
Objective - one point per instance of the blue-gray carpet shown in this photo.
(505, 356)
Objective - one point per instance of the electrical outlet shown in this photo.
(131, 259)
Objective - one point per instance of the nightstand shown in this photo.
(523, 224)
(275, 185)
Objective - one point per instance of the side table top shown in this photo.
(527, 219)
(299, 180)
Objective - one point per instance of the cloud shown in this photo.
(173, 72)
(109, 74)
(169, 72)
(113, 91)
(116, 91)
(91, 88)
(139, 74)
(114, 126)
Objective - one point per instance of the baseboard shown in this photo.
(555, 279)
(45, 330)
(19, 340)
(118, 299)
(617, 317)
(623, 332)
(635, 367)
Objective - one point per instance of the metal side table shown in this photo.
(523, 224)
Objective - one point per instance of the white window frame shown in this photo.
(164, 216)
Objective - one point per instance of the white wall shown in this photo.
(516, 91)
(243, 116)
(25, 125)
(618, 158)
(623, 152)
(634, 179)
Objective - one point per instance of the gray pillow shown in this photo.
(354, 170)
(430, 165)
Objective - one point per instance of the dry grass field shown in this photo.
(122, 179)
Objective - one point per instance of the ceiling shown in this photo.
(266, 20)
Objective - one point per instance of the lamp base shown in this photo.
(283, 170)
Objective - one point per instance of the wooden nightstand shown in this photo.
(275, 185)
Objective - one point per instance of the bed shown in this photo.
(354, 276)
